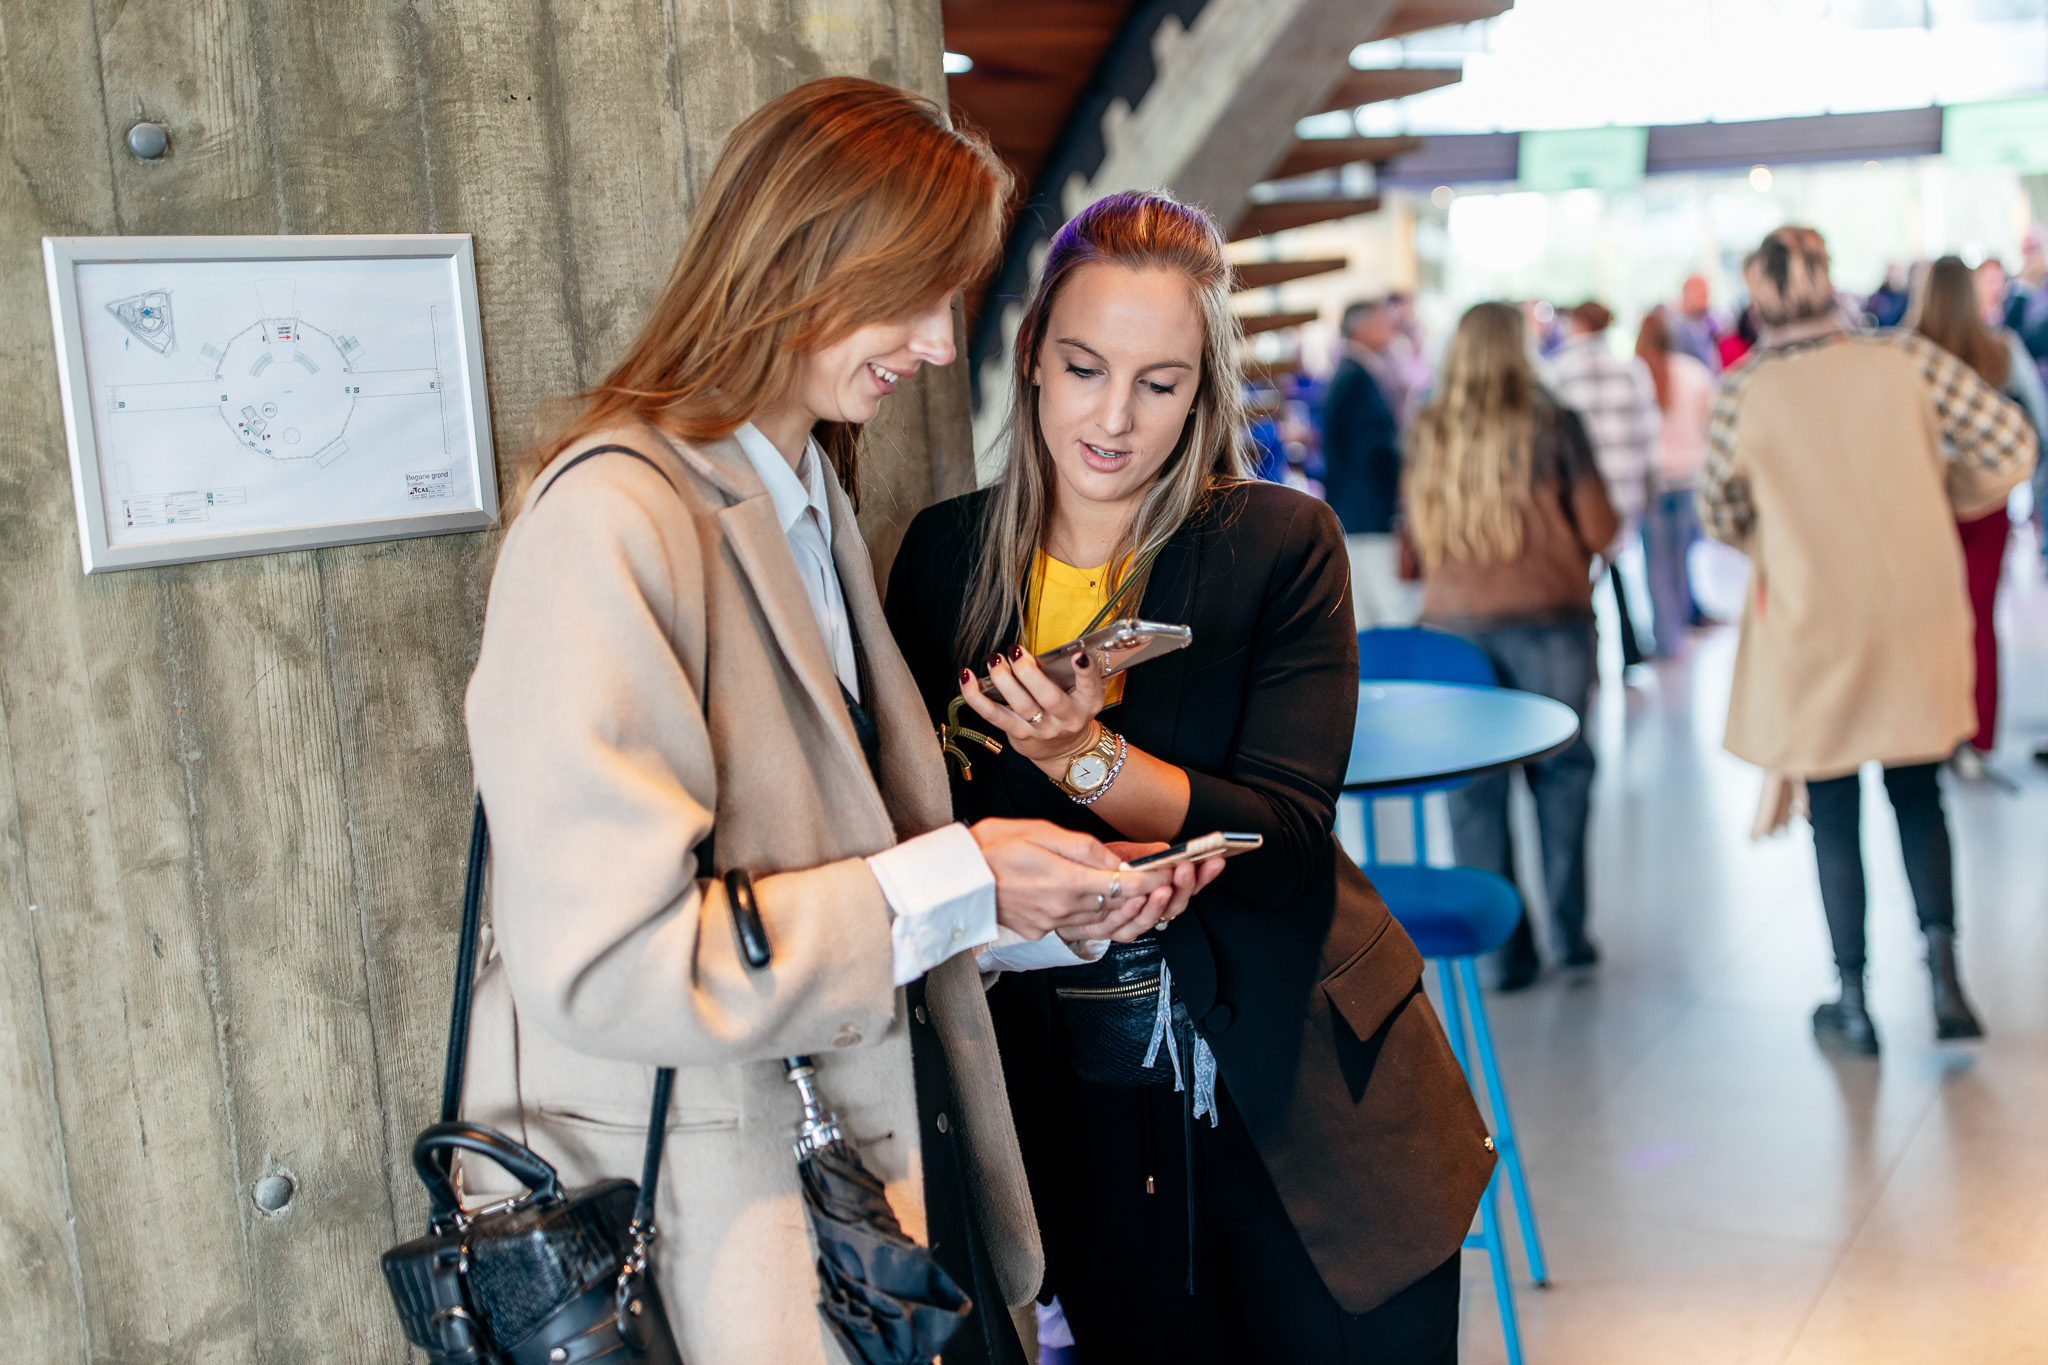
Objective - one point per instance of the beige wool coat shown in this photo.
(651, 669)
(1840, 464)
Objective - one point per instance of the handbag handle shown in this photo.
(430, 1152)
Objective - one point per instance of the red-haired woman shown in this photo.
(684, 670)
(1247, 1136)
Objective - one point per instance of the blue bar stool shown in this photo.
(1456, 914)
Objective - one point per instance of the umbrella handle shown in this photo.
(820, 1128)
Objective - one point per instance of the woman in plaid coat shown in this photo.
(1840, 464)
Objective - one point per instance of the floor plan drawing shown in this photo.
(285, 388)
(234, 397)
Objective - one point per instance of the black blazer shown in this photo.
(1305, 987)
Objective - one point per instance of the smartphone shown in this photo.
(1119, 645)
(1222, 843)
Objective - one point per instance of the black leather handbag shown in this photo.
(552, 1277)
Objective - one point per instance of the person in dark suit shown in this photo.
(1281, 1161)
(1362, 465)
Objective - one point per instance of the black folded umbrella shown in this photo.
(883, 1295)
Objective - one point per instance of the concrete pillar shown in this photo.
(234, 795)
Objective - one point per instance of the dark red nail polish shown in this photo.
(1017, 652)
(966, 676)
(993, 660)
(1080, 661)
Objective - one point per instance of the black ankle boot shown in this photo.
(1953, 1017)
(1844, 1025)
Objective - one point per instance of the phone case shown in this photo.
(1122, 645)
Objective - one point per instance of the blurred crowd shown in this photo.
(1646, 408)
(1854, 463)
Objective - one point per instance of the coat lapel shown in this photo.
(913, 772)
(765, 561)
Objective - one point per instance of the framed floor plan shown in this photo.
(246, 395)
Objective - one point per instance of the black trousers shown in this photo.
(988, 1337)
(1121, 1252)
(1837, 806)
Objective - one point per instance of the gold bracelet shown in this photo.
(1093, 734)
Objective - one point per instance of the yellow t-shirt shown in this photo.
(1062, 600)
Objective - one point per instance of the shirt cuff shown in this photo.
(942, 899)
(1012, 952)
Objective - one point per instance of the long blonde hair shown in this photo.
(1139, 230)
(1470, 463)
(842, 202)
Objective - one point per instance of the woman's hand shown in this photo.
(1155, 911)
(1044, 722)
(1051, 879)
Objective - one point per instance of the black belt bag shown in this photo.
(1109, 1011)
(551, 1277)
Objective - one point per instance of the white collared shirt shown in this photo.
(941, 893)
(806, 518)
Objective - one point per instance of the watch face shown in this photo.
(1087, 772)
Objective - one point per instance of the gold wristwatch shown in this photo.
(1090, 772)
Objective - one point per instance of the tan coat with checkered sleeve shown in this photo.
(1840, 465)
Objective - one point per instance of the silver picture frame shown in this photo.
(340, 500)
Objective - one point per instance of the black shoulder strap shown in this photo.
(472, 931)
(581, 456)
(465, 966)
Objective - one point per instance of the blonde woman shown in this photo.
(685, 671)
(1506, 511)
(1290, 1178)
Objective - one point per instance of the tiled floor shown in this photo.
(1712, 1188)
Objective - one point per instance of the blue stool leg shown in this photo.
(1503, 1122)
(1454, 1016)
(1503, 1287)
(1489, 1239)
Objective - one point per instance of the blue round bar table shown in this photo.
(1419, 733)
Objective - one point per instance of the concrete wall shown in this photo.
(234, 796)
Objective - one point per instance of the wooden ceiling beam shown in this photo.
(1416, 16)
(1254, 323)
(1266, 371)
(1261, 219)
(1265, 274)
(1386, 83)
(1324, 153)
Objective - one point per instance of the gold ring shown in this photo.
(1035, 719)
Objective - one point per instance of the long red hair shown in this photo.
(842, 202)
